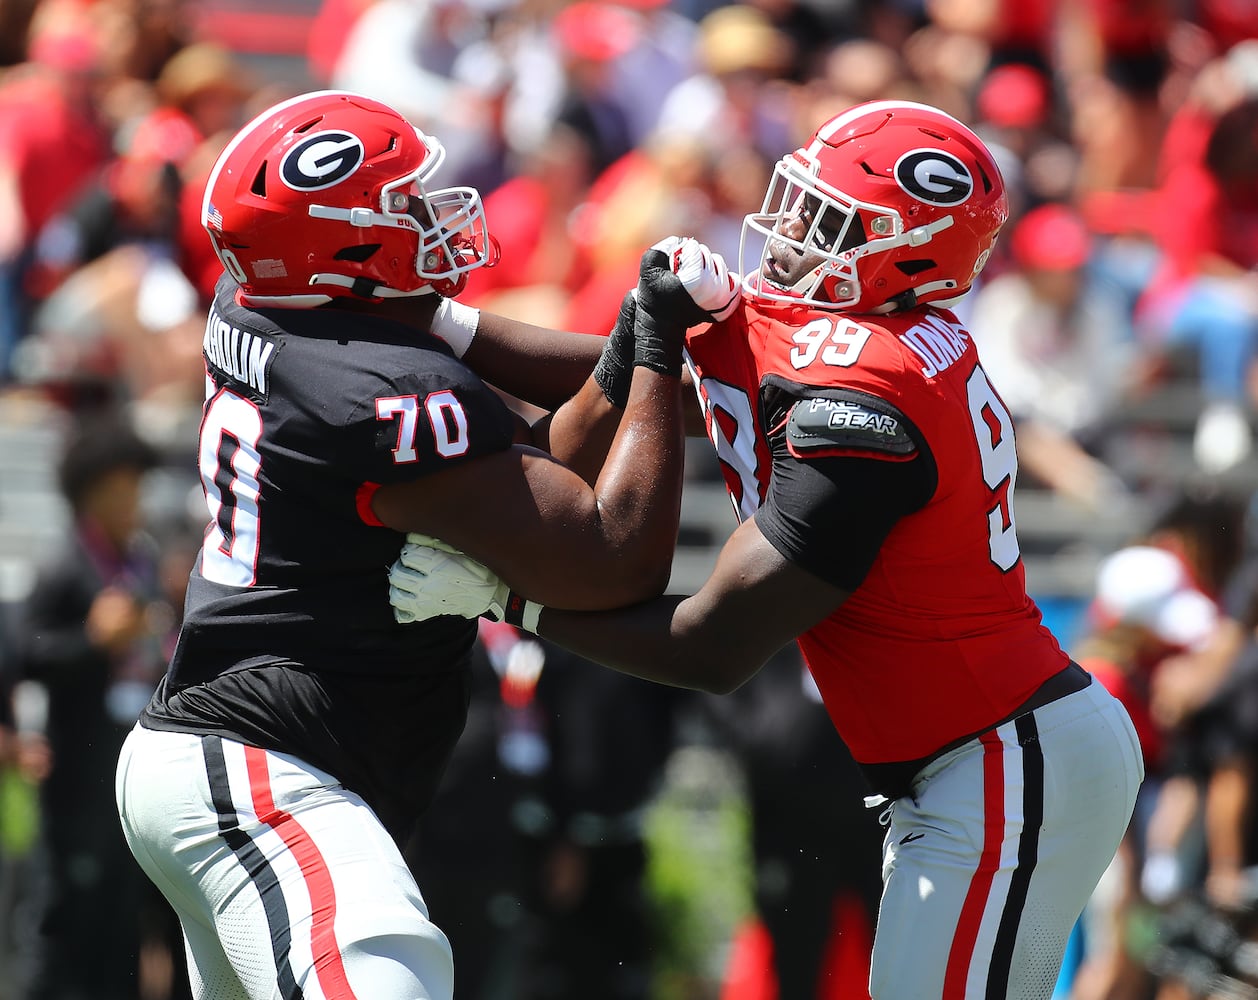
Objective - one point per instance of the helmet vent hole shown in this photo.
(935, 135)
(987, 181)
(258, 186)
(308, 125)
(912, 267)
(868, 169)
(854, 236)
(358, 254)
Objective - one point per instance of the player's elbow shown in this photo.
(595, 583)
(630, 586)
(650, 579)
(642, 571)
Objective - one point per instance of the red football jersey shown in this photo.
(941, 639)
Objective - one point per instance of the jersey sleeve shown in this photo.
(421, 422)
(846, 467)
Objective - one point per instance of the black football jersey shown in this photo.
(288, 640)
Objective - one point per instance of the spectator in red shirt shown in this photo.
(1204, 293)
(52, 142)
(1185, 249)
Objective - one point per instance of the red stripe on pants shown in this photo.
(962, 951)
(327, 953)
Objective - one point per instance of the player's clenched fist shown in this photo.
(705, 277)
(430, 579)
(673, 276)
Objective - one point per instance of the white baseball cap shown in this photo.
(1148, 586)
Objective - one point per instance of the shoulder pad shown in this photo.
(851, 424)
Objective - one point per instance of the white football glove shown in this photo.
(431, 578)
(704, 274)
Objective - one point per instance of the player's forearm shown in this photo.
(635, 640)
(754, 603)
(665, 640)
(553, 536)
(541, 366)
(638, 490)
(580, 433)
(538, 365)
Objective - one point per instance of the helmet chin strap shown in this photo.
(284, 301)
(910, 297)
(367, 289)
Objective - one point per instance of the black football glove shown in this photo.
(614, 370)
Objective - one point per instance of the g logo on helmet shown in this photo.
(321, 160)
(935, 177)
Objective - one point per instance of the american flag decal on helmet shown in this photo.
(270, 268)
(213, 217)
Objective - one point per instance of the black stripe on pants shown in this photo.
(1028, 854)
(255, 863)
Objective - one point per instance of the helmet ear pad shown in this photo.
(325, 196)
(923, 197)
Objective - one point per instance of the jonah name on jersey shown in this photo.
(243, 356)
(937, 342)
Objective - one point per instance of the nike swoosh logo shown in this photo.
(908, 838)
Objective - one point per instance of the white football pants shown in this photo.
(286, 884)
(990, 861)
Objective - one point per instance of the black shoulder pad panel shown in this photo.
(850, 424)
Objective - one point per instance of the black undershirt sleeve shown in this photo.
(831, 513)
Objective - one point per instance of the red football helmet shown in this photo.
(322, 196)
(896, 202)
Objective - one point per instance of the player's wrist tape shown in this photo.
(521, 613)
(614, 371)
(456, 324)
(613, 378)
(659, 351)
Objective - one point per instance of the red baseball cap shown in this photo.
(1052, 237)
(163, 135)
(595, 31)
(1014, 96)
(71, 49)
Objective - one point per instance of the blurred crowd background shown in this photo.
(597, 836)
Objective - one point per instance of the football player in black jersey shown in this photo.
(300, 729)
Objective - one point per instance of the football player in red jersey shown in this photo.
(871, 464)
(300, 729)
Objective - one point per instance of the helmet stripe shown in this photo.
(841, 121)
